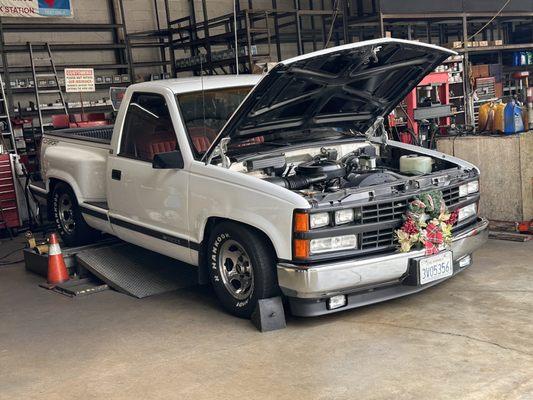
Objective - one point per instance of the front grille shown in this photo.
(382, 212)
(451, 196)
(377, 239)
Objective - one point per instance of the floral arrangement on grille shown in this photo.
(428, 224)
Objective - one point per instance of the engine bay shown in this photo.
(318, 173)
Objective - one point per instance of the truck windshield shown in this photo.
(205, 113)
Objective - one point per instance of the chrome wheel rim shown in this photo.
(65, 210)
(236, 270)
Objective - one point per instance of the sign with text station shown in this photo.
(79, 80)
(36, 8)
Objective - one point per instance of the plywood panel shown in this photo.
(503, 172)
(526, 161)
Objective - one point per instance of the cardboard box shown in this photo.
(454, 45)
(498, 90)
(479, 71)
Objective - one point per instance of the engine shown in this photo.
(326, 172)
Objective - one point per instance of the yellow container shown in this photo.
(499, 117)
(486, 117)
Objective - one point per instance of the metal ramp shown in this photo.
(137, 272)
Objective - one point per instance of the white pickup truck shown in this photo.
(278, 184)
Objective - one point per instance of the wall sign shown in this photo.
(35, 8)
(79, 80)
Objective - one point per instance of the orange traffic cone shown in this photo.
(57, 270)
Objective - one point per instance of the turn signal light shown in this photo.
(301, 222)
(301, 248)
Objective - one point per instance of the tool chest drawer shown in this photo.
(9, 214)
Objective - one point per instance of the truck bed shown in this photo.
(97, 134)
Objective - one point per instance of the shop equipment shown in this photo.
(9, 213)
(428, 106)
(47, 70)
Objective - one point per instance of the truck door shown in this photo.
(148, 206)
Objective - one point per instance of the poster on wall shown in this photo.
(36, 8)
(79, 80)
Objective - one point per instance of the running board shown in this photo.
(137, 272)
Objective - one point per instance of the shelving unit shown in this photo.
(261, 35)
(113, 45)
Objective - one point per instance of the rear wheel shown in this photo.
(68, 219)
(242, 267)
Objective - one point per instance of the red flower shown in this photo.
(453, 218)
(410, 227)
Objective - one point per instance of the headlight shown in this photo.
(344, 216)
(335, 243)
(467, 212)
(319, 220)
(468, 188)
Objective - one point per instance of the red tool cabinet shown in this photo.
(9, 215)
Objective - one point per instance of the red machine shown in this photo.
(438, 81)
(9, 215)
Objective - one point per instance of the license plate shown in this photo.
(435, 267)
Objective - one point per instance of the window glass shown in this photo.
(148, 128)
(205, 113)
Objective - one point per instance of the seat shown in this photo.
(202, 137)
(201, 143)
(252, 141)
(162, 142)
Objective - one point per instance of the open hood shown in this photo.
(340, 87)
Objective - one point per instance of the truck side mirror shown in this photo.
(169, 160)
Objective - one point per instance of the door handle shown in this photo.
(116, 174)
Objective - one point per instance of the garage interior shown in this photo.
(132, 323)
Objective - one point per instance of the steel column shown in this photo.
(298, 27)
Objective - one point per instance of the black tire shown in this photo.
(74, 231)
(227, 236)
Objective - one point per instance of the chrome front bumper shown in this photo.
(317, 283)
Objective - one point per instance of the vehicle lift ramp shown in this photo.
(135, 271)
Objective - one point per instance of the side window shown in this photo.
(148, 128)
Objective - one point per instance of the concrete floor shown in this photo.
(469, 338)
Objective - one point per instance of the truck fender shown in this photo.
(61, 176)
(277, 238)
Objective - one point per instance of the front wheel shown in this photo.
(68, 219)
(242, 268)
